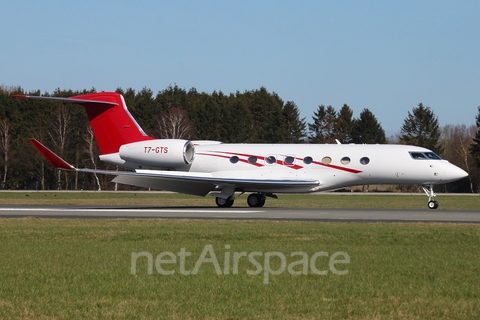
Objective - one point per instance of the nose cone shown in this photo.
(453, 173)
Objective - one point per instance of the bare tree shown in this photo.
(394, 138)
(90, 142)
(175, 124)
(61, 134)
(10, 89)
(38, 161)
(456, 140)
(5, 147)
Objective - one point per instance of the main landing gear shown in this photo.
(432, 204)
(224, 203)
(254, 200)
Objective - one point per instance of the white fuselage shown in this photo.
(333, 165)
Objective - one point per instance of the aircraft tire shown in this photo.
(256, 200)
(432, 204)
(224, 203)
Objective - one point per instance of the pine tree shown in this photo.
(315, 128)
(295, 126)
(345, 124)
(421, 128)
(323, 129)
(266, 110)
(475, 146)
(236, 121)
(330, 126)
(367, 129)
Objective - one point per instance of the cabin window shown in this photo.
(365, 160)
(252, 159)
(326, 160)
(289, 160)
(308, 160)
(345, 160)
(270, 160)
(234, 159)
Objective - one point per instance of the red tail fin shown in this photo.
(112, 123)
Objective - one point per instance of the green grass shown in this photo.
(81, 268)
(325, 200)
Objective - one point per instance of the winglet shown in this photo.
(51, 157)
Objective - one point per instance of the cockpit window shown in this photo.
(432, 155)
(417, 155)
(424, 155)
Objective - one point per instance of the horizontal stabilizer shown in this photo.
(71, 99)
(51, 157)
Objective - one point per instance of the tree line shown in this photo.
(256, 116)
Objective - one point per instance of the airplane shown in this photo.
(202, 167)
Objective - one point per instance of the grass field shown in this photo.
(82, 268)
(100, 269)
(324, 200)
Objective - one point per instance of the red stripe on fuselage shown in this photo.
(336, 167)
(279, 162)
(228, 157)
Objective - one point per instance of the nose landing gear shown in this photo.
(432, 204)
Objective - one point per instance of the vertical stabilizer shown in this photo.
(112, 123)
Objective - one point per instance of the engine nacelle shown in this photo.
(162, 153)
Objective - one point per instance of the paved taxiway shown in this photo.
(360, 215)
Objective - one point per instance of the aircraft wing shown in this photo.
(196, 183)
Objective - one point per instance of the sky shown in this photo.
(387, 56)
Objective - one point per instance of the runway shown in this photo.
(293, 214)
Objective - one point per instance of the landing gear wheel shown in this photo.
(256, 200)
(432, 204)
(224, 203)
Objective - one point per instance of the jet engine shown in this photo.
(162, 153)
